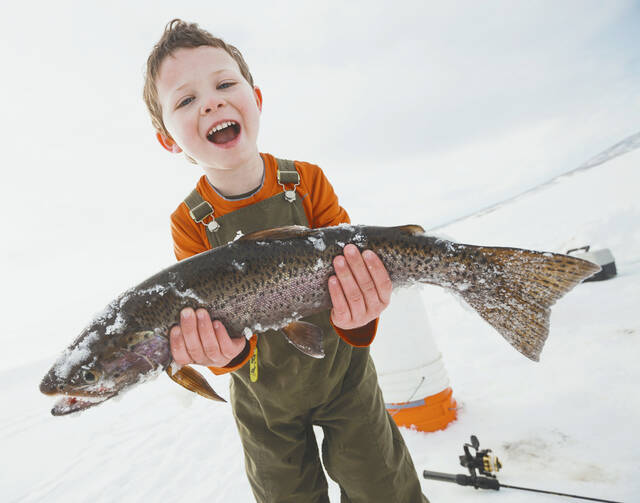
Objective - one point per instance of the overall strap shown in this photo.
(200, 210)
(288, 174)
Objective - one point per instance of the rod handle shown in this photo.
(443, 477)
(463, 480)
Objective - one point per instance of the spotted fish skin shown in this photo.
(269, 279)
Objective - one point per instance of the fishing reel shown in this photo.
(482, 465)
(482, 460)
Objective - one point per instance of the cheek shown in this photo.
(175, 128)
(252, 113)
(180, 126)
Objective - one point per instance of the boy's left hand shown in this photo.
(360, 289)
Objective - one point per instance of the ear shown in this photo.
(258, 94)
(168, 143)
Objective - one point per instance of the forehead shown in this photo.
(186, 65)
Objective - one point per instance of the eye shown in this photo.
(185, 101)
(226, 85)
(88, 376)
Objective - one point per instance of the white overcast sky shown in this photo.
(416, 95)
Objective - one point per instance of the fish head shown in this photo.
(103, 362)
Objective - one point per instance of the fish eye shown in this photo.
(88, 376)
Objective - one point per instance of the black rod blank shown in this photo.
(492, 483)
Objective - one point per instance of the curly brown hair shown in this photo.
(179, 34)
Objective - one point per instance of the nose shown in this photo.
(211, 105)
(48, 386)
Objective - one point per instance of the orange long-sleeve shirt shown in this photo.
(321, 207)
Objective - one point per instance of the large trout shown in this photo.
(271, 279)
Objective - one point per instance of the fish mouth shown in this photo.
(76, 403)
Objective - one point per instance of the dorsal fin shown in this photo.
(286, 232)
(411, 229)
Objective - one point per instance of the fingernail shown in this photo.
(186, 313)
(202, 315)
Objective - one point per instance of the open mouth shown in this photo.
(69, 404)
(224, 132)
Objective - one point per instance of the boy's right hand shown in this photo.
(199, 340)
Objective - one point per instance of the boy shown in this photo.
(203, 102)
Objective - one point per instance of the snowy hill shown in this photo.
(568, 423)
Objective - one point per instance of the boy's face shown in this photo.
(208, 108)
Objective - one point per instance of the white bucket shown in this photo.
(409, 364)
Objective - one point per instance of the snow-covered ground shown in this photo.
(568, 423)
(418, 113)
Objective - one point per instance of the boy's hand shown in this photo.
(199, 340)
(360, 289)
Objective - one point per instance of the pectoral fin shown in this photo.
(306, 337)
(192, 380)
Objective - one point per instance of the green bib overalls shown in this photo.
(282, 393)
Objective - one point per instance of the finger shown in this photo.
(178, 348)
(340, 313)
(363, 278)
(380, 276)
(229, 348)
(208, 338)
(189, 328)
(350, 287)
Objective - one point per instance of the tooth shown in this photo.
(221, 126)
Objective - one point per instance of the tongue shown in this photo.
(224, 135)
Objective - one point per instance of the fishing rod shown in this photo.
(486, 463)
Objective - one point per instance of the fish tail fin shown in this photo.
(514, 289)
(192, 380)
